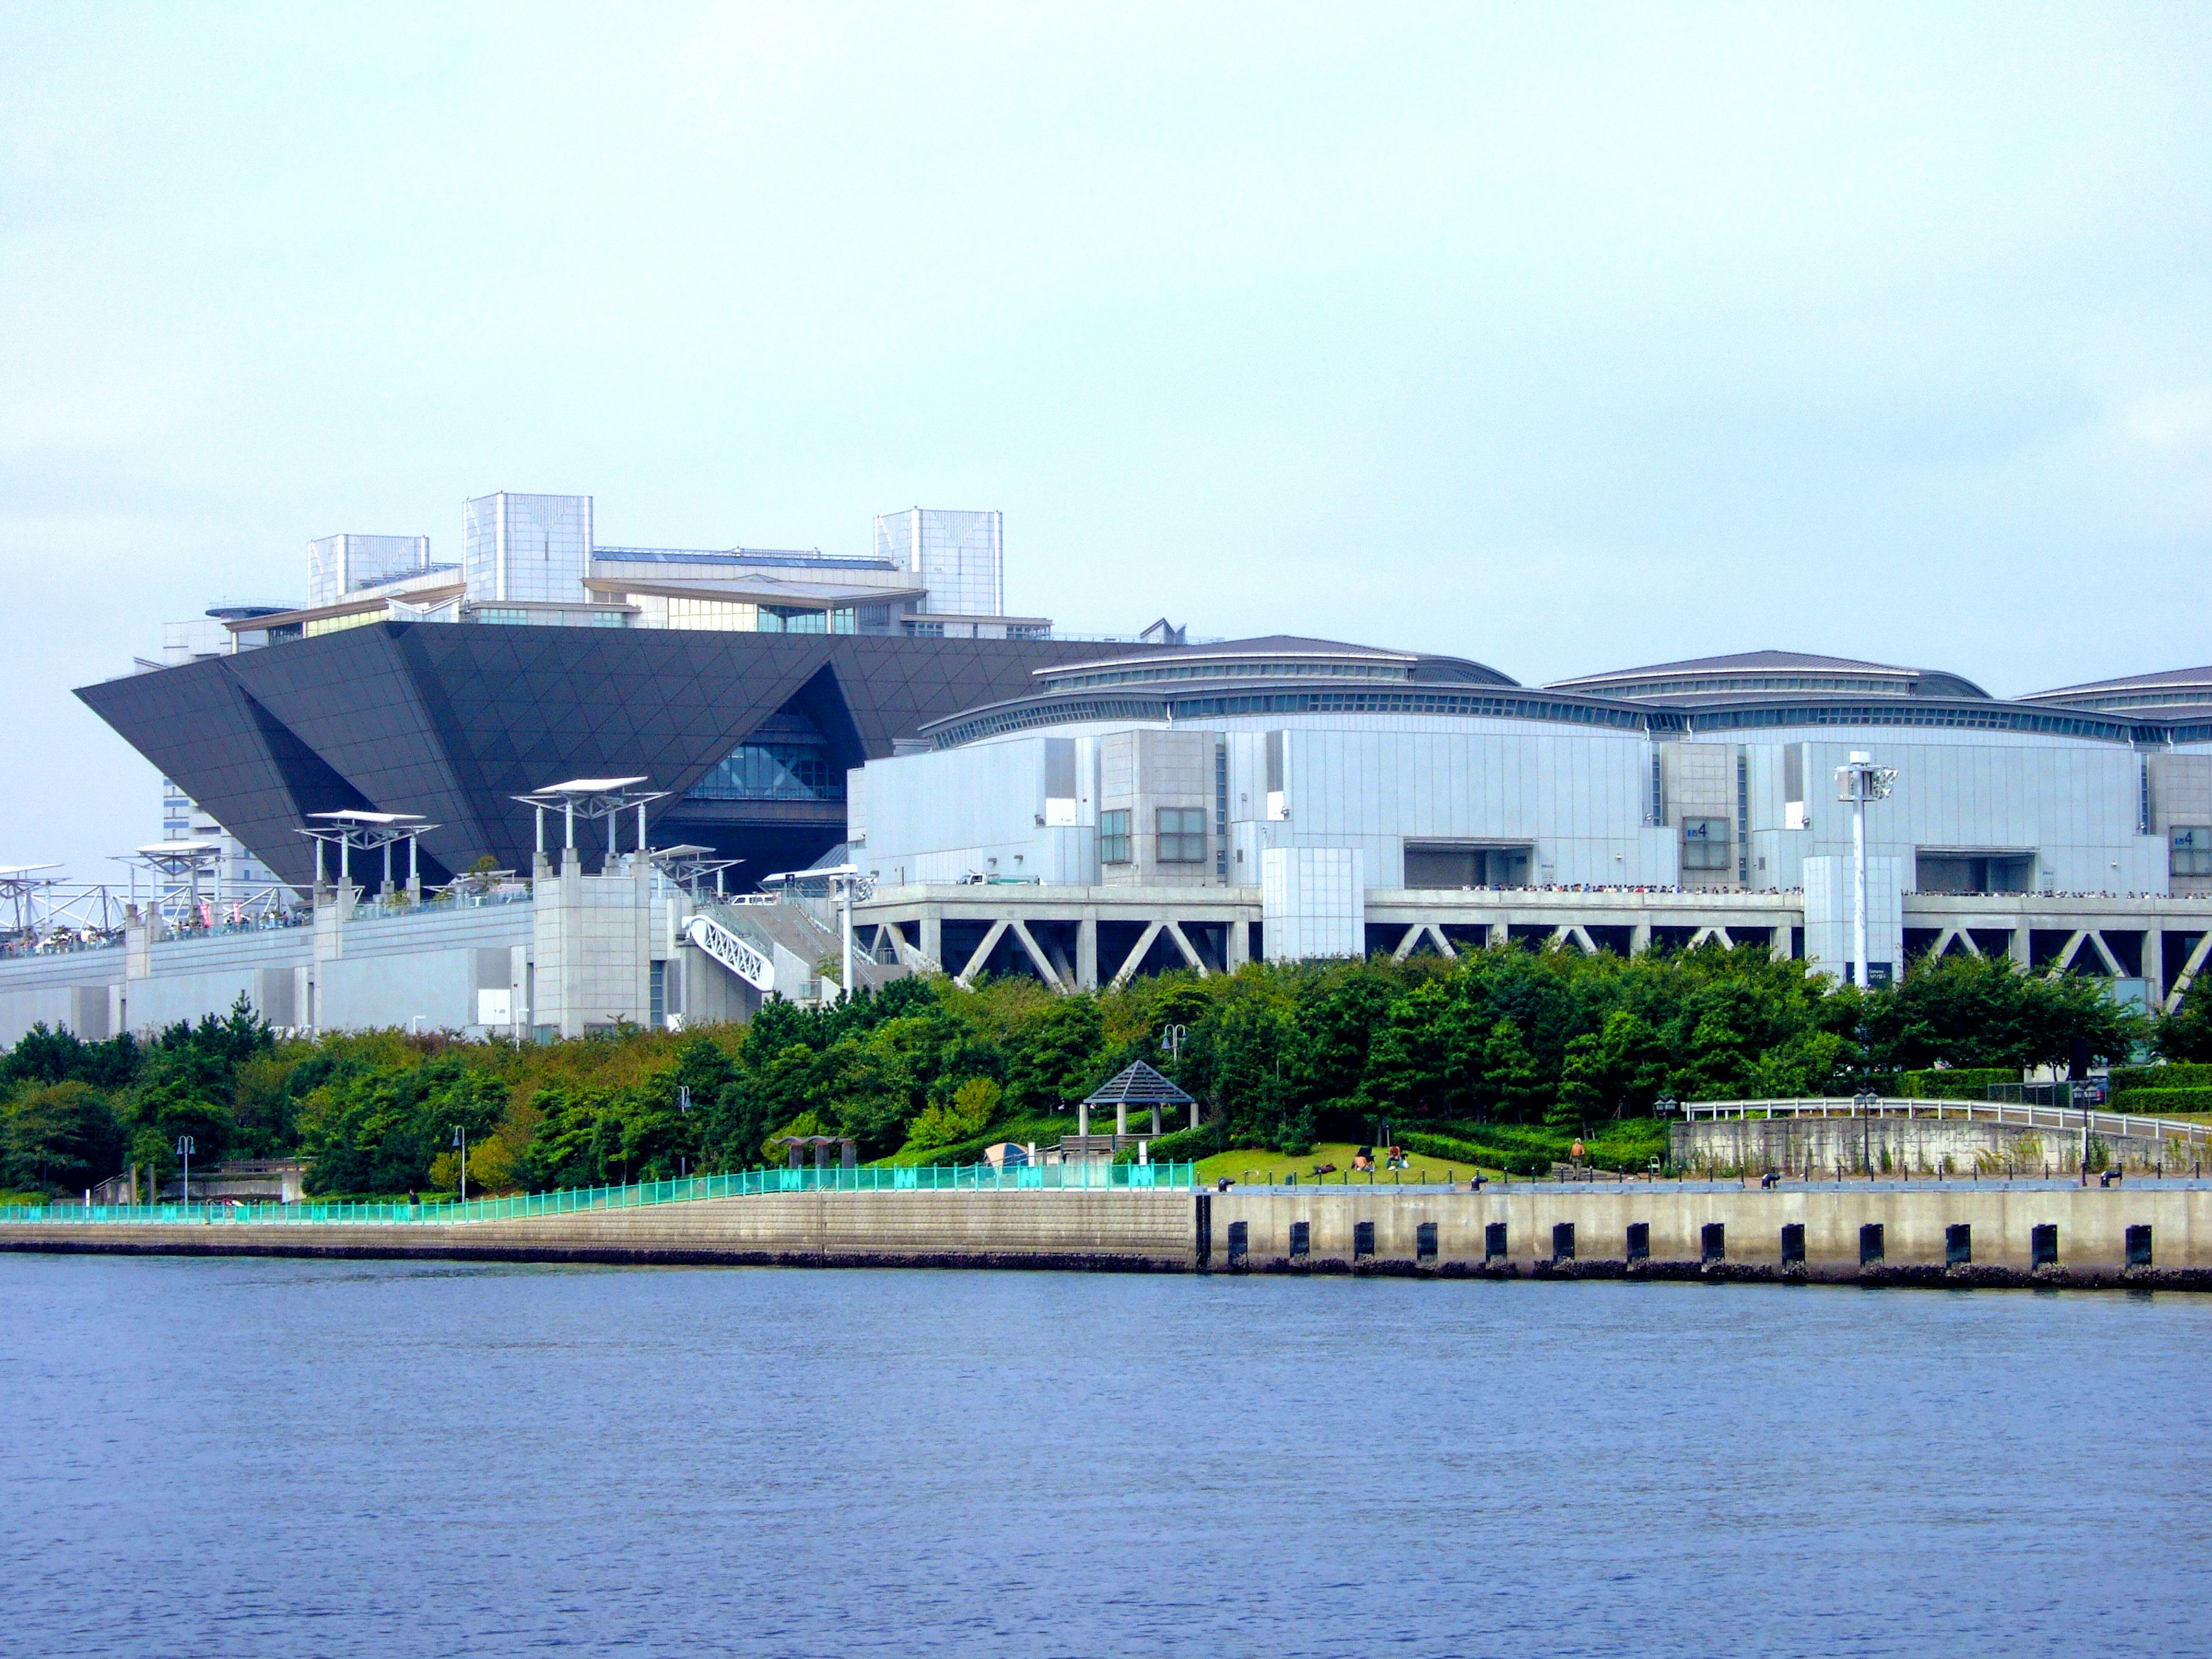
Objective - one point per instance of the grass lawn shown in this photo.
(1262, 1168)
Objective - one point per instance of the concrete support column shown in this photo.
(1086, 951)
(1500, 933)
(2153, 962)
(2018, 947)
(1240, 949)
(933, 936)
(1639, 938)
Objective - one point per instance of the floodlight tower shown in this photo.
(1858, 780)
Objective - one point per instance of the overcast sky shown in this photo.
(1563, 338)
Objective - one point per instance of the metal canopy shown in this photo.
(591, 799)
(407, 823)
(1139, 1086)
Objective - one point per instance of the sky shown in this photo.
(1563, 338)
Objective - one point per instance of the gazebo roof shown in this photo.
(1141, 1086)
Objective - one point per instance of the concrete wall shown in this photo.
(1181, 1230)
(1917, 1145)
(2092, 1223)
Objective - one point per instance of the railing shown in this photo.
(744, 1183)
(440, 904)
(2022, 1116)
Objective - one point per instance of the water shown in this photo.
(278, 1458)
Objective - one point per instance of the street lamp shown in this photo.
(683, 1105)
(185, 1149)
(1864, 1102)
(1858, 780)
(461, 1141)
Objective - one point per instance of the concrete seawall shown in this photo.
(2148, 1236)
(1927, 1145)
(1917, 1242)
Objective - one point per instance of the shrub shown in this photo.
(2175, 1074)
(1189, 1146)
(1958, 1082)
(2163, 1103)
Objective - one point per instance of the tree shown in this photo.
(1510, 1072)
(62, 1137)
(2187, 1033)
(973, 1106)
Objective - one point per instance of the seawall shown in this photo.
(2144, 1236)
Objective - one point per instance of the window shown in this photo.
(1425, 1242)
(1704, 843)
(1563, 1241)
(1182, 835)
(2192, 850)
(1301, 1237)
(1639, 1240)
(1458, 864)
(1114, 836)
(1363, 1239)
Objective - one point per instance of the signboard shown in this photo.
(731, 952)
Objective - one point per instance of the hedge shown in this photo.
(1959, 1083)
(2165, 1103)
(2173, 1075)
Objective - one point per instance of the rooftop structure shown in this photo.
(1764, 673)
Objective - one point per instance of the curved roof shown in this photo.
(2167, 691)
(1770, 673)
(1289, 655)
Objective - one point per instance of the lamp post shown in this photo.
(1858, 780)
(1865, 1101)
(1171, 1041)
(1665, 1106)
(185, 1149)
(683, 1105)
(461, 1141)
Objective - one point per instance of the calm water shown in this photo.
(277, 1458)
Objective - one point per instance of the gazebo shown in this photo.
(1139, 1086)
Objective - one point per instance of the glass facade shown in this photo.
(526, 546)
(772, 771)
(960, 557)
(339, 565)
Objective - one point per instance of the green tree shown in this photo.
(1510, 1072)
(60, 1137)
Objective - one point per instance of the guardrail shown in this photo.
(568, 1200)
(2020, 1117)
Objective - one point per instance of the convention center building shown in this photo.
(550, 785)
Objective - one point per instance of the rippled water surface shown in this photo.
(277, 1458)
